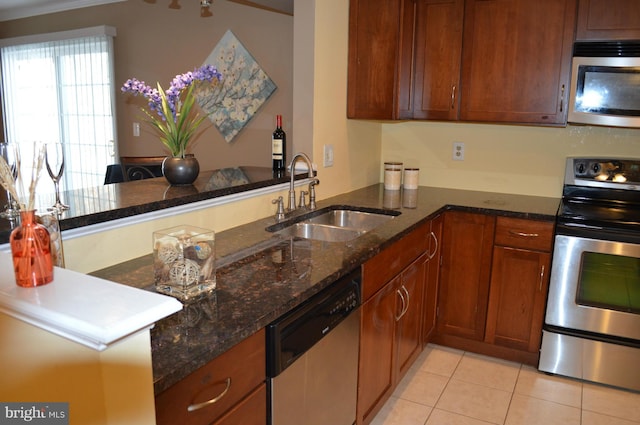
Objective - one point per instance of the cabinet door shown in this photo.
(432, 273)
(380, 58)
(608, 20)
(437, 59)
(409, 316)
(464, 274)
(376, 374)
(516, 60)
(519, 282)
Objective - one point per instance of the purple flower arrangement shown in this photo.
(170, 111)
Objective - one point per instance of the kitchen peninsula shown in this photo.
(261, 276)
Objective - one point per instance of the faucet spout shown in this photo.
(292, 167)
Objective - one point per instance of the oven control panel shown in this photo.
(619, 173)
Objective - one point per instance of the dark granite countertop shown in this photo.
(261, 276)
(119, 200)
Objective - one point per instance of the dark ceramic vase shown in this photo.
(180, 171)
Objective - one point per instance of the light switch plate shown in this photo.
(328, 156)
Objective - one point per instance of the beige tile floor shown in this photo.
(452, 387)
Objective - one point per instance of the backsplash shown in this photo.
(501, 158)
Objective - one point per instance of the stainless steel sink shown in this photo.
(333, 224)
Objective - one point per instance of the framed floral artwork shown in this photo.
(244, 89)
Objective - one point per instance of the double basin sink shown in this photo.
(335, 223)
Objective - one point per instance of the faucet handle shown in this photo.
(303, 202)
(280, 210)
(312, 193)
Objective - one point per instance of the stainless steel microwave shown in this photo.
(605, 84)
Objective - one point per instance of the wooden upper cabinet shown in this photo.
(380, 59)
(608, 20)
(516, 60)
(437, 59)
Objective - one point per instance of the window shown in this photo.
(59, 87)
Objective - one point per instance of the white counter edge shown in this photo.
(90, 311)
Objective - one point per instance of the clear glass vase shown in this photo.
(31, 252)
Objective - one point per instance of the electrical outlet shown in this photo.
(136, 129)
(328, 156)
(458, 151)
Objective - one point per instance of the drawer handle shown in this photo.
(523, 235)
(198, 406)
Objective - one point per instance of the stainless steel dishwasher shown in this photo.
(312, 358)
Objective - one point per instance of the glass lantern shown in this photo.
(184, 261)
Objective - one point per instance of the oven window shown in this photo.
(609, 281)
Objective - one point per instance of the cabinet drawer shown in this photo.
(387, 264)
(522, 233)
(250, 411)
(229, 377)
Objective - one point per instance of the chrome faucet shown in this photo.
(292, 167)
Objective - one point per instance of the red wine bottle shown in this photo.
(279, 147)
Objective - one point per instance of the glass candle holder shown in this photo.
(184, 261)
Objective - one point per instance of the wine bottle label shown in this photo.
(276, 149)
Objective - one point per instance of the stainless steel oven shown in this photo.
(592, 323)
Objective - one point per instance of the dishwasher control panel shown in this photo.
(290, 336)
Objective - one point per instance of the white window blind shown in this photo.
(59, 87)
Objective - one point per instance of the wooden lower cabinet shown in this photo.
(517, 299)
(464, 274)
(390, 338)
(230, 389)
(392, 317)
(494, 282)
(409, 317)
(432, 275)
(519, 283)
(376, 376)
